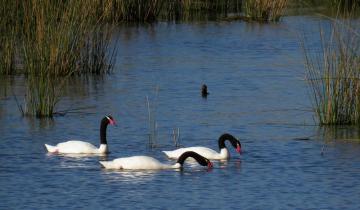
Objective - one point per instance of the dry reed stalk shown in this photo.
(264, 10)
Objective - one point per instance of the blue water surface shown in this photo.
(256, 78)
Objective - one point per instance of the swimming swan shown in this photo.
(81, 147)
(207, 152)
(149, 163)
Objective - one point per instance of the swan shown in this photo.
(149, 163)
(81, 147)
(207, 152)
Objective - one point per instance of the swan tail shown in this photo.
(109, 164)
(52, 149)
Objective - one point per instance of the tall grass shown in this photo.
(200, 9)
(8, 35)
(130, 10)
(97, 57)
(60, 39)
(345, 4)
(164, 10)
(52, 41)
(333, 73)
(264, 10)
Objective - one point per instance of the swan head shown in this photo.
(200, 159)
(234, 142)
(237, 145)
(110, 120)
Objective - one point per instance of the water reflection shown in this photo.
(346, 133)
(138, 176)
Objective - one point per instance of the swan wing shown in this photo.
(139, 162)
(76, 147)
(203, 151)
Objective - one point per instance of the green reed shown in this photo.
(264, 10)
(60, 39)
(333, 74)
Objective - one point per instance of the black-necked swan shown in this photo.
(149, 163)
(207, 152)
(81, 147)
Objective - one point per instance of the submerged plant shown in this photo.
(333, 74)
(264, 10)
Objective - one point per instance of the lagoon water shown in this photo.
(255, 76)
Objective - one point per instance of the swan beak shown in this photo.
(238, 149)
(210, 165)
(112, 122)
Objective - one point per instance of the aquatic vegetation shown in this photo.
(333, 73)
(97, 57)
(131, 10)
(8, 35)
(345, 4)
(55, 42)
(264, 10)
(53, 37)
(166, 10)
(153, 129)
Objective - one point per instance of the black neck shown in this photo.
(103, 126)
(225, 137)
(200, 159)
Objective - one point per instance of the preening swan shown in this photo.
(149, 163)
(207, 152)
(81, 147)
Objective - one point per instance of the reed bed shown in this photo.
(8, 35)
(130, 10)
(200, 9)
(58, 43)
(345, 4)
(52, 41)
(333, 73)
(164, 10)
(98, 57)
(264, 10)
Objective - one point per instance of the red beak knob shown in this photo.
(238, 149)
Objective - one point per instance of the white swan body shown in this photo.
(76, 147)
(149, 163)
(207, 152)
(82, 147)
(203, 151)
(137, 163)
